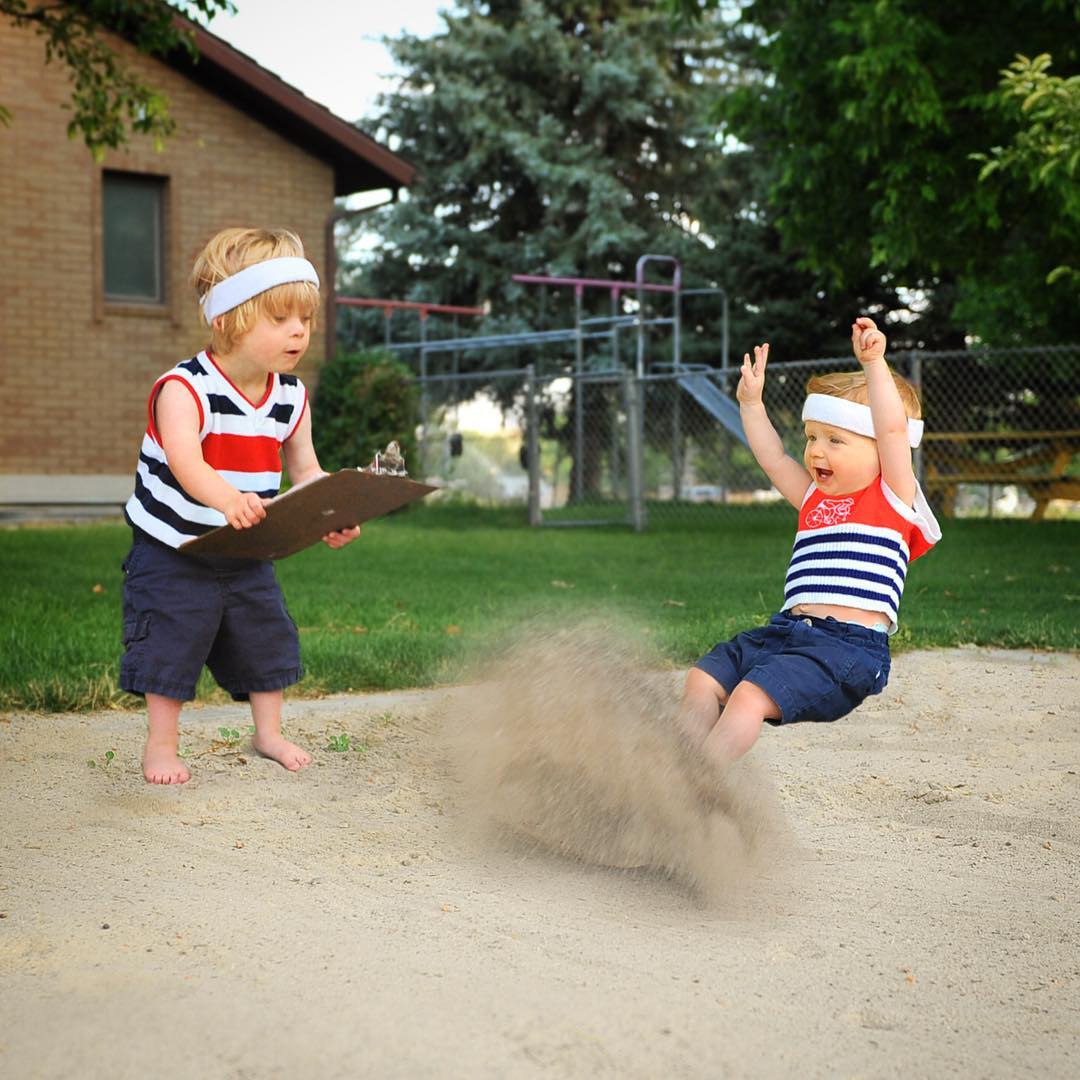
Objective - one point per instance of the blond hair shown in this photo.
(851, 386)
(235, 249)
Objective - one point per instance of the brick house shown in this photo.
(94, 300)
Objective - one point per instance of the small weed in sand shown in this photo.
(106, 760)
(230, 736)
(344, 742)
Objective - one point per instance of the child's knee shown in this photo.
(700, 684)
(739, 727)
(748, 698)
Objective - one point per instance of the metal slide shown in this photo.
(699, 385)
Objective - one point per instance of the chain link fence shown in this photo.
(611, 446)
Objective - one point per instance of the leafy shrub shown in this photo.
(363, 400)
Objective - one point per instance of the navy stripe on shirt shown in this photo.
(820, 574)
(854, 556)
(862, 594)
(224, 406)
(833, 537)
(163, 512)
(161, 471)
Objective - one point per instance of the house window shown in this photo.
(133, 216)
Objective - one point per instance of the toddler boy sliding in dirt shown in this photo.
(211, 455)
(862, 519)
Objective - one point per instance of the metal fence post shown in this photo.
(634, 448)
(676, 439)
(639, 362)
(614, 328)
(579, 401)
(676, 409)
(725, 337)
(532, 444)
(423, 394)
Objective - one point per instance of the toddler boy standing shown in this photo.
(219, 425)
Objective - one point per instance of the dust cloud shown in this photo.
(569, 741)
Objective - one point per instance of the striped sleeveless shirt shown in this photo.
(241, 439)
(854, 550)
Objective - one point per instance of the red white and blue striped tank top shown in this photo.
(241, 439)
(854, 550)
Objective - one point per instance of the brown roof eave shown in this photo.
(359, 162)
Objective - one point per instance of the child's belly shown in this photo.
(841, 614)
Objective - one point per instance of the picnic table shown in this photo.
(1038, 461)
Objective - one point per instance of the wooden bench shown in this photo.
(1037, 461)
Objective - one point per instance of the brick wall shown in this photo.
(74, 373)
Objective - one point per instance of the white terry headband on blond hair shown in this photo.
(851, 416)
(252, 280)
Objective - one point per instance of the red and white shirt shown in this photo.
(241, 439)
(854, 550)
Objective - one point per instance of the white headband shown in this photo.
(851, 416)
(255, 279)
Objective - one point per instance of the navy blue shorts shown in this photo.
(814, 669)
(182, 612)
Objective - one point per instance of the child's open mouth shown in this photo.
(823, 474)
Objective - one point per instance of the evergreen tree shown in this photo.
(552, 137)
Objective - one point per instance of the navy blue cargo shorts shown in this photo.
(814, 669)
(182, 612)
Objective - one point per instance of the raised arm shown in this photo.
(890, 419)
(788, 476)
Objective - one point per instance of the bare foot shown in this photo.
(282, 751)
(160, 765)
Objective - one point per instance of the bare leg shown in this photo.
(268, 740)
(701, 705)
(724, 726)
(746, 710)
(161, 762)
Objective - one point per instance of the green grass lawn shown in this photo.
(422, 592)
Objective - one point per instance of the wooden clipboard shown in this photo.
(303, 515)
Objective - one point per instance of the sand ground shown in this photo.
(341, 922)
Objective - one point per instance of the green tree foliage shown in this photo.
(774, 295)
(109, 102)
(1045, 149)
(870, 114)
(363, 401)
